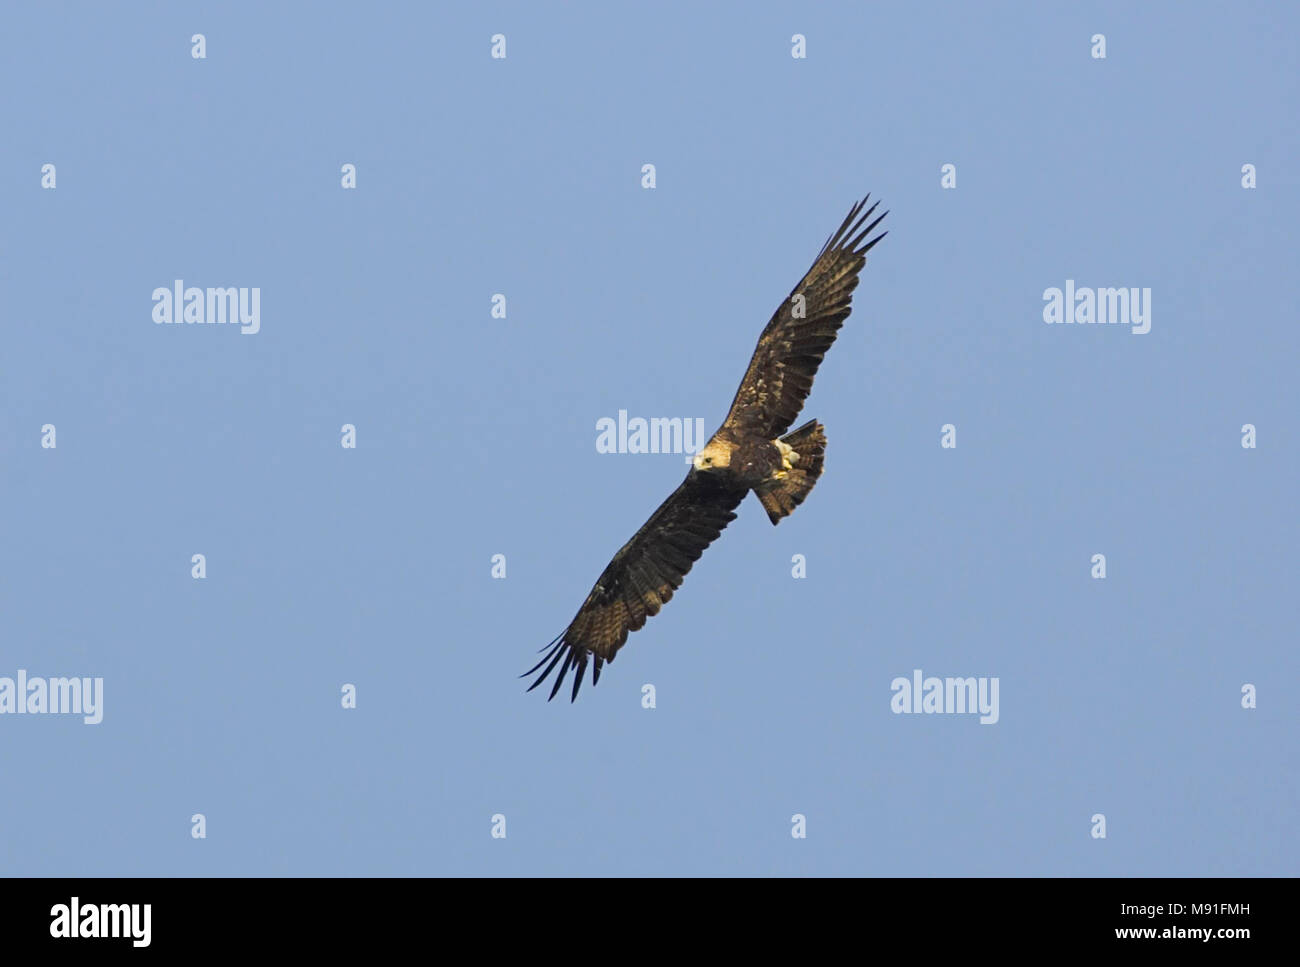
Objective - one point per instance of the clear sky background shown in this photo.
(476, 436)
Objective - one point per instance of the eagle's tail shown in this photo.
(784, 495)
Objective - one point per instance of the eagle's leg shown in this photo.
(789, 457)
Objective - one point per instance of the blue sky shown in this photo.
(475, 436)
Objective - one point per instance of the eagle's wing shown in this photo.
(641, 577)
(781, 372)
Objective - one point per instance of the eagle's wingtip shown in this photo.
(557, 650)
(575, 658)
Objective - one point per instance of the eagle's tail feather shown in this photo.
(809, 442)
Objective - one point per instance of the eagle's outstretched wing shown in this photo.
(781, 372)
(641, 577)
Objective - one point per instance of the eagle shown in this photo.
(750, 451)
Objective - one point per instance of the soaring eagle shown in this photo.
(748, 452)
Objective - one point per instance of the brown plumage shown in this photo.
(780, 500)
(791, 348)
(748, 452)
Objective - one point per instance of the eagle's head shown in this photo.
(715, 456)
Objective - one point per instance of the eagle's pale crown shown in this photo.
(715, 455)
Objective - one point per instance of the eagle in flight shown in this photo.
(750, 451)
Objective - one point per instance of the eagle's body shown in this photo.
(748, 462)
(751, 451)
